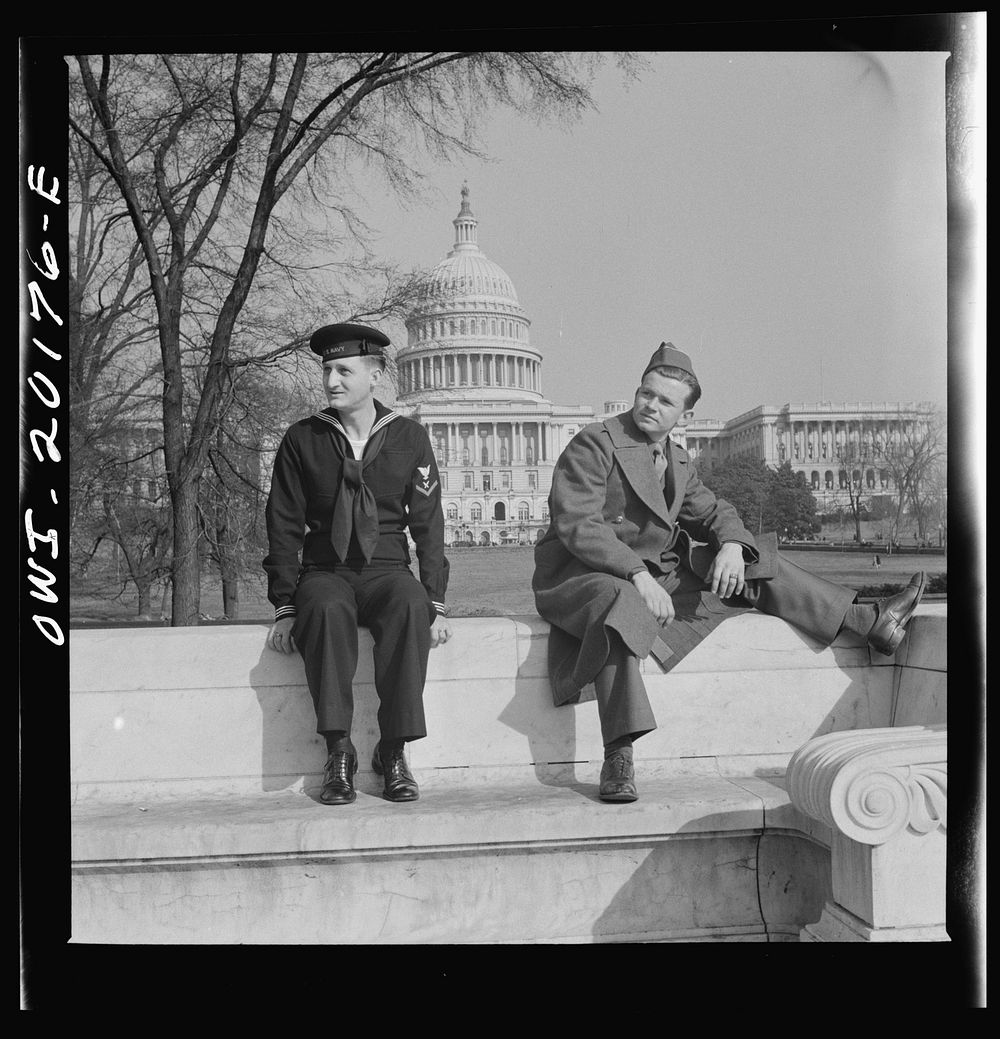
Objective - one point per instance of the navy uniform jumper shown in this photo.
(332, 591)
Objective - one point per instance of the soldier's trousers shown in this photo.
(806, 600)
(330, 606)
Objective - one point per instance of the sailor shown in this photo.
(347, 483)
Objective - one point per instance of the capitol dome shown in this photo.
(468, 336)
(467, 272)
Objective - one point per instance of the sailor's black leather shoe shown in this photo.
(338, 778)
(399, 784)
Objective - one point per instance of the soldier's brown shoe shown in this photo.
(894, 613)
(618, 778)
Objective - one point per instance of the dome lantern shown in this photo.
(465, 226)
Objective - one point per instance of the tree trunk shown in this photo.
(186, 574)
(230, 597)
(229, 565)
(145, 589)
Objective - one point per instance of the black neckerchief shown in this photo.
(355, 509)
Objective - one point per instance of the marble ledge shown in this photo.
(140, 658)
(287, 823)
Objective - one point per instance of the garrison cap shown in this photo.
(346, 340)
(668, 354)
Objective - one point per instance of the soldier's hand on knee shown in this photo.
(654, 596)
(440, 631)
(726, 577)
(279, 638)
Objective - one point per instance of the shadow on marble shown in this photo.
(292, 752)
(722, 882)
(552, 746)
(686, 890)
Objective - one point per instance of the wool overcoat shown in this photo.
(609, 516)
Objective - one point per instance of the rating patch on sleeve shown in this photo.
(424, 484)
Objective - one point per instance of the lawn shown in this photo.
(492, 582)
(497, 581)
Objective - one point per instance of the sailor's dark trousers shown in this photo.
(330, 606)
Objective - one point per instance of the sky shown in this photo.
(779, 216)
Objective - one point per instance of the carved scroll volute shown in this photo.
(871, 784)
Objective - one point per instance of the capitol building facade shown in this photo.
(471, 376)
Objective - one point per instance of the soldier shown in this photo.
(347, 483)
(619, 574)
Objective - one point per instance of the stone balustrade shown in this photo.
(195, 767)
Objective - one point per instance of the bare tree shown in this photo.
(253, 415)
(137, 522)
(113, 361)
(214, 157)
(916, 458)
(855, 455)
(115, 442)
(910, 460)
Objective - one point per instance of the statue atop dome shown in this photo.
(465, 226)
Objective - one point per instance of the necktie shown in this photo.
(355, 510)
(659, 462)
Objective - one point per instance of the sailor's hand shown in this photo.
(279, 638)
(440, 631)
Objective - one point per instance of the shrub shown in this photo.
(937, 584)
(879, 591)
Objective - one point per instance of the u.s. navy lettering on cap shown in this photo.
(668, 355)
(347, 340)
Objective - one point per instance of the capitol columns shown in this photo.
(884, 794)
